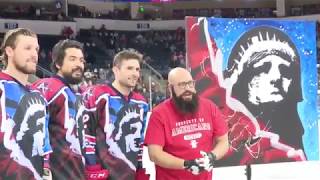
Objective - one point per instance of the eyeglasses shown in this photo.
(183, 85)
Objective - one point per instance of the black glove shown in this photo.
(207, 161)
(193, 166)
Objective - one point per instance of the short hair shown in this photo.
(125, 55)
(59, 52)
(10, 40)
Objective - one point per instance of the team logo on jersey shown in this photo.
(43, 87)
(24, 130)
(81, 117)
(87, 95)
(74, 126)
(126, 135)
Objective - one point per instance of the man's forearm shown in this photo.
(221, 147)
(164, 159)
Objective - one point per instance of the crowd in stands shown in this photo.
(54, 11)
(50, 11)
(179, 14)
(160, 48)
(83, 12)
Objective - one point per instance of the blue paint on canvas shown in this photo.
(226, 32)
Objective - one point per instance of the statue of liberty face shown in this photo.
(126, 135)
(270, 81)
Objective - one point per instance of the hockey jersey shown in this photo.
(23, 131)
(117, 127)
(65, 128)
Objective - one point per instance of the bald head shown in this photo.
(181, 81)
(179, 74)
(182, 90)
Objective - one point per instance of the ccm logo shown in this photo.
(98, 175)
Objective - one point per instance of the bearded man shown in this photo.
(186, 134)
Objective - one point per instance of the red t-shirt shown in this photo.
(184, 135)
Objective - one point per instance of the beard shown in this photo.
(25, 69)
(186, 106)
(71, 79)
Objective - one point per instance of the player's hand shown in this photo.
(193, 166)
(47, 175)
(207, 161)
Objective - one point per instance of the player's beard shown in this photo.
(186, 106)
(72, 79)
(25, 68)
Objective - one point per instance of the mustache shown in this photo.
(77, 69)
(187, 93)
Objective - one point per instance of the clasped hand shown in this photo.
(196, 166)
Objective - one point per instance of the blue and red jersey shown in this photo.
(65, 128)
(117, 126)
(23, 130)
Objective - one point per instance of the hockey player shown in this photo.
(23, 119)
(66, 110)
(118, 118)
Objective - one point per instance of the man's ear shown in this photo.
(9, 51)
(115, 70)
(58, 66)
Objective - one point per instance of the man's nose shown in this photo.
(136, 73)
(34, 54)
(80, 64)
